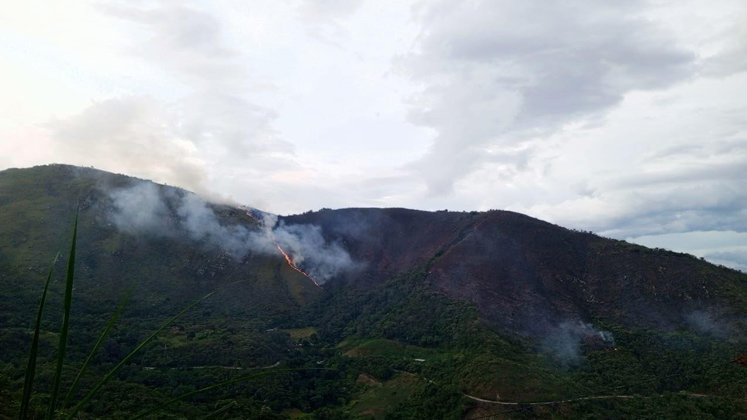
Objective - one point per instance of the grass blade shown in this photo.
(28, 383)
(105, 333)
(61, 347)
(122, 362)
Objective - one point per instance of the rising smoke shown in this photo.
(322, 259)
(139, 209)
(144, 208)
(565, 341)
(710, 323)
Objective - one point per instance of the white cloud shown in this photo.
(499, 71)
(133, 135)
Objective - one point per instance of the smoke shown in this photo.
(565, 341)
(308, 248)
(202, 225)
(709, 322)
(139, 209)
(144, 208)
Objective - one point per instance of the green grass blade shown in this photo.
(61, 347)
(28, 383)
(122, 362)
(105, 333)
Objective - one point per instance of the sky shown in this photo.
(628, 119)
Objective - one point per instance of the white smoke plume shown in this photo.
(139, 208)
(309, 249)
(144, 209)
(565, 341)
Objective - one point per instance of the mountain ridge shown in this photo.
(477, 303)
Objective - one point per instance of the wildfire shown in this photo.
(293, 265)
(270, 235)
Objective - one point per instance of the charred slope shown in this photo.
(528, 276)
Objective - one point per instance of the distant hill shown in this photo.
(441, 308)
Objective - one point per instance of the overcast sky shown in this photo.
(628, 118)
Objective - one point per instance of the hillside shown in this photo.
(527, 276)
(416, 311)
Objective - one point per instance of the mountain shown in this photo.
(527, 276)
(367, 312)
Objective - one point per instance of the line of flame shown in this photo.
(294, 266)
(285, 255)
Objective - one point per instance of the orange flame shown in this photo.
(285, 255)
(293, 265)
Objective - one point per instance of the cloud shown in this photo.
(133, 135)
(197, 125)
(725, 247)
(186, 41)
(736, 259)
(691, 183)
(323, 17)
(497, 72)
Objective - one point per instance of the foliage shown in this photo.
(394, 347)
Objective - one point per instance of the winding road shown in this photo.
(569, 400)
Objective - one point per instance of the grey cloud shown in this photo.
(725, 247)
(323, 18)
(734, 259)
(499, 71)
(183, 39)
(329, 9)
(705, 194)
(696, 185)
(676, 209)
(722, 147)
(732, 58)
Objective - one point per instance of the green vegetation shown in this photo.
(381, 399)
(387, 369)
(267, 344)
(53, 410)
(301, 333)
